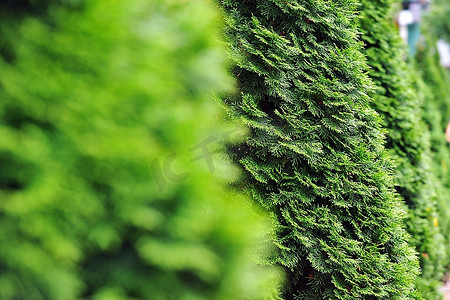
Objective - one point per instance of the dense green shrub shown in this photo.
(397, 99)
(95, 101)
(315, 157)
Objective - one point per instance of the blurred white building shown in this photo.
(444, 53)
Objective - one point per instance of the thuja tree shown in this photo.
(314, 157)
(399, 102)
(100, 102)
(433, 83)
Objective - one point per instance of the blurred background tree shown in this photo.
(435, 88)
(101, 104)
(400, 104)
(439, 20)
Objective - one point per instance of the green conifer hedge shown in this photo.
(96, 98)
(315, 157)
(397, 99)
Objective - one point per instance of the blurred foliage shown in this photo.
(435, 88)
(439, 18)
(93, 96)
(396, 98)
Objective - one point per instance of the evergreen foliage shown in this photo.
(434, 86)
(315, 157)
(396, 98)
(90, 96)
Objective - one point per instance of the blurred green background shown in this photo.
(96, 98)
